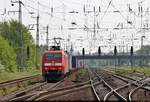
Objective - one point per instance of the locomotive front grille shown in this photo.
(53, 72)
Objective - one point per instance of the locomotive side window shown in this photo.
(50, 56)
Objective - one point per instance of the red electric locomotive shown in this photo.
(55, 65)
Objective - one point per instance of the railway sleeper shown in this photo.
(18, 85)
(64, 92)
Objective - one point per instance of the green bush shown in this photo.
(121, 71)
(83, 71)
(9, 44)
(7, 55)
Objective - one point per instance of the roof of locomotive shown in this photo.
(54, 52)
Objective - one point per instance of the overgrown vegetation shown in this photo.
(9, 44)
(144, 51)
(17, 87)
(5, 76)
(122, 71)
(83, 71)
(129, 70)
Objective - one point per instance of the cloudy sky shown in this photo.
(74, 20)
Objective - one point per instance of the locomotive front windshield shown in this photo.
(53, 56)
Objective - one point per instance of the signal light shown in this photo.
(94, 8)
(83, 52)
(99, 9)
(12, 4)
(115, 50)
(131, 51)
(84, 8)
(99, 50)
(28, 52)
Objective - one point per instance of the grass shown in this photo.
(6, 76)
(129, 70)
(9, 90)
(83, 71)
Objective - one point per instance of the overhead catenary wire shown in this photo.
(106, 10)
(67, 22)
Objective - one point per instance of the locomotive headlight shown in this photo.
(47, 64)
(46, 68)
(58, 64)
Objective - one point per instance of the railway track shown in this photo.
(63, 91)
(45, 92)
(136, 74)
(30, 91)
(35, 91)
(127, 91)
(12, 83)
(106, 86)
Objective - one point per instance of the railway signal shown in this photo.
(115, 50)
(83, 52)
(99, 50)
(131, 51)
(28, 52)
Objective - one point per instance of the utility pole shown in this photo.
(142, 44)
(37, 38)
(20, 49)
(47, 33)
(94, 27)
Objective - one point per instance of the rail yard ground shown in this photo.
(89, 84)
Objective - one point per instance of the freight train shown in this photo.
(56, 65)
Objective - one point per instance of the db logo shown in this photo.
(53, 63)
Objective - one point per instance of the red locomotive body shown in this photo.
(55, 65)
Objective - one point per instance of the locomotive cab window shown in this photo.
(57, 56)
(50, 56)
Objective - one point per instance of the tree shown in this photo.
(7, 55)
(10, 40)
(145, 50)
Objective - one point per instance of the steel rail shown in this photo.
(92, 85)
(49, 96)
(111, 92)
(134, 83)
(116, 93)
(130, 94)
(108, 87)
(139, 87)
(50, 89)
(93, 88)
(13, 82)
(22, 92)
(18, 79)
(36, 94)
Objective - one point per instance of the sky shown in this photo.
(106, 18)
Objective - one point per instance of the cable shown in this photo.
(45, 6)
(120, 13)
(71, 2)
(106, 10)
